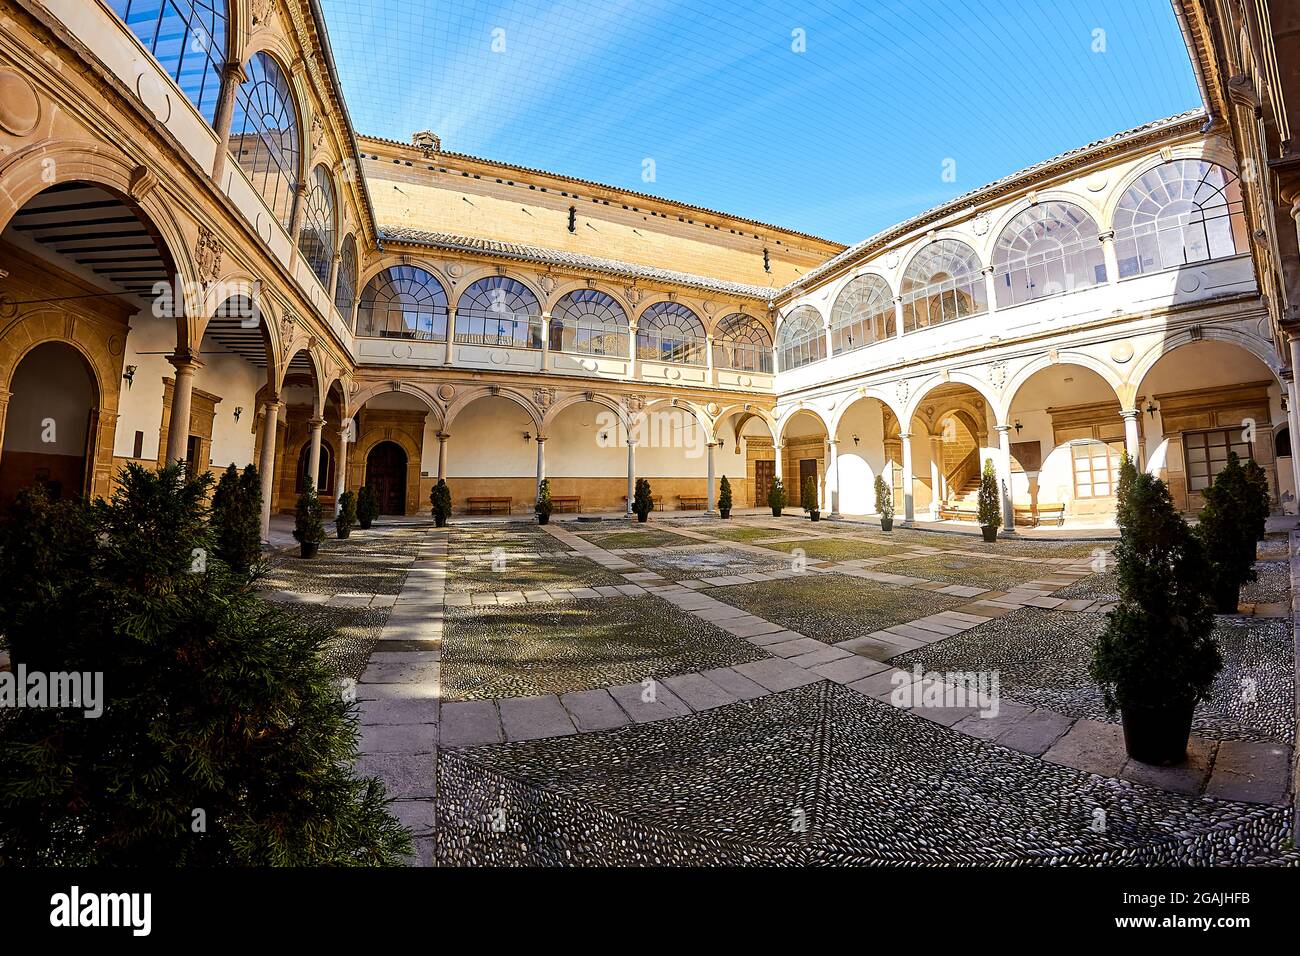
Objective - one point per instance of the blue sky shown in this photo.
(849, 134)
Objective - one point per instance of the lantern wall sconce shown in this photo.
(129, 375)
(239, 410)
(1152, 408)
(855, 441)
(1018, 426)
(528, 436)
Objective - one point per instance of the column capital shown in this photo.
(185, 362)
(905, 435)
(832, 441)
(272, 403)
(988, 270)
(1130, 414)
(316, 423)
(235, 72)
(539, 439)
(442, 436)
(1003, 428)
(1107, 236)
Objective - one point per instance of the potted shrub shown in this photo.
(808, 498)
(1228, 528)
(990, 508)
(236, 519)
(367, 506)
(1156, 658)
(440, 499)
(308, 528)
(776, 497)
(884, 504)
(1260, 497)
(724, 498)
(347, 515)
(544, 507)
(642, 501)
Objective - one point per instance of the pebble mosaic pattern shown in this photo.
(816, 775)
(1042, 659)
(834, 607)
(837, 549)
(512, 536)
(652, 538)
(520, 650)
(369, 565)
(479, 573)
(696, 564)
(980, 571)
(1272, 584)
(353, 633)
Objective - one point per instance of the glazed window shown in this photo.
(801, 340)
(264, 135)
(403, 302)
(589, 322)
(1046, 250)
(670, 332)
(743, 344)
(942, 283)
(317, 239)
(499, 311)
(188, 38)
(863, 314)
(1179, 213)
(345, 286)
(1207, 454)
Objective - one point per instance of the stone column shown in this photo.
(633, 370)
(713, 498)
(442, 455)
(631, 472)
(909, 506)
(1109, 256)
(541, 463)
(449, 339)
(299, 213)
(178, 426)
(830, 350)
(898, 316)
(833, 476)
(341, 467)
(267, 463)
(936, 474)
(1132, 443)
(708, 348)
(333, 285)
(232, 78)
(1004, 479)
(991, 288)
(778, 448)
(313, 454)
(546, 341)
(1293, 413)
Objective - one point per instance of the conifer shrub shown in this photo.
(440, 499)
(223, 739)
(990, 505)
(643, 501)
(544, 506)
(808, 497)
(367, 506)
(884, 502)
(1229, 526)
(724, 498)
(236, 519)
(776, 499)
(308, 522)
(347, 516)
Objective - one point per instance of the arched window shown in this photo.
(670, 332)
(345, 286)
(188, 38)
(942, 283)
(1049, 248)
(324, 474)
(316, 242)
(589, 322)
(1181, 212)
(742, 343)
(1282, 442)
(863, 313)
(403, 302)
(264, 135)
(801, 339)
(499, 311)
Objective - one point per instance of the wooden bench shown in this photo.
(654, 499)
(693, 502)
(950, 513)
(566, 504)
(488, 506)
(1033, 517)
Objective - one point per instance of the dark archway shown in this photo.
(325, 473)
(51, 421)
(386, 476)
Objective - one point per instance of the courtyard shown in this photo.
(700, 692)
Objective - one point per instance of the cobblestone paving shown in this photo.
(832, 607)
(837, 549)
(629, 538)
(1272, 585)
(1042, 659)
(977, 570)
(522, 650)
(512, 536)
(816, 775)
(365, 564)
(747, 534)
(698, 563)
(479, 573)
(354, 632)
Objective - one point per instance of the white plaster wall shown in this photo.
(860, 463)
(52, 396)
(487, 441)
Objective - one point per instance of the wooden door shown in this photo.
(807, 471)
(764, 472)
(386, 476)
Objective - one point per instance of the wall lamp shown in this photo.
(1018, 426)
(1152, 409)
(855, 441)
(129, 375)
(239, 410)
(528, 436)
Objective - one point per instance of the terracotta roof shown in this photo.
(569, 260)
(874, 243)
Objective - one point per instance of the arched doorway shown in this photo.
(386, 476)
(50, 424)
(325, 473)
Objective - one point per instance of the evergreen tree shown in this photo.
(990, 506)
(643, 501)
(1157, 648)
(724, 496)
(223, 741)
(1230, 526)
(884, 498)
(808, 495)
(440, 500)
(347, 516)
(544, 505)
(367, 506)
(1260, 498)
(237, 519)
(776, 495)
(308, 524)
